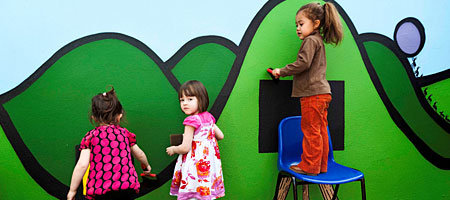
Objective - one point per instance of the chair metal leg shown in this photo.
(335, 192)
(363, 189)
(295, 188)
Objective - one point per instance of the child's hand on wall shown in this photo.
(276, 73)
(146, 169)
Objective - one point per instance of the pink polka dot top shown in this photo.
(111, 167)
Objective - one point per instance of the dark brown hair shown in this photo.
(106, 107)
(330, 23)
(197, 89)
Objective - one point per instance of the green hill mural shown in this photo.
(391, 132)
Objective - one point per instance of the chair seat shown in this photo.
(337, 174)
(290, 137)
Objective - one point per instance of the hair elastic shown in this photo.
(104, 94)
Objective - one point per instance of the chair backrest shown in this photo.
(290, 137)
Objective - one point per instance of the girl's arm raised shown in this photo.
(185, 146)
(78, 172)
(218, 133)
(140, 155)
(304, 60)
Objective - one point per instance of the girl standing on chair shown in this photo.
(315, 24)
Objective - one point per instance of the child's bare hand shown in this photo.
(170, 150)
(276, 72)
(147, 170)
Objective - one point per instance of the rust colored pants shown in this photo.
(315, 135)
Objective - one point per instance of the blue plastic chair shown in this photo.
(290, 149)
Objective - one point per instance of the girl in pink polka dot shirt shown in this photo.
(108, 149)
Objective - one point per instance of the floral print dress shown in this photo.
(198, 174)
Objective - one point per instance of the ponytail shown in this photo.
(332, 27)
(330, 22)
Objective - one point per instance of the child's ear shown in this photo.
(119, 117)
(316, 23)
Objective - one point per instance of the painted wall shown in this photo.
(392, 131)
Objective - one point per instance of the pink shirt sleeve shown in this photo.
(86, 141)
(192, 121)
(212, 118)
(131, 137)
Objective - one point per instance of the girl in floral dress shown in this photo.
(198, 171)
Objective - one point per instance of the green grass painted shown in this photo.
(441, 95)
(401, 93)
(15, 182)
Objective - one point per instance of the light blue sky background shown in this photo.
(32, 31)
